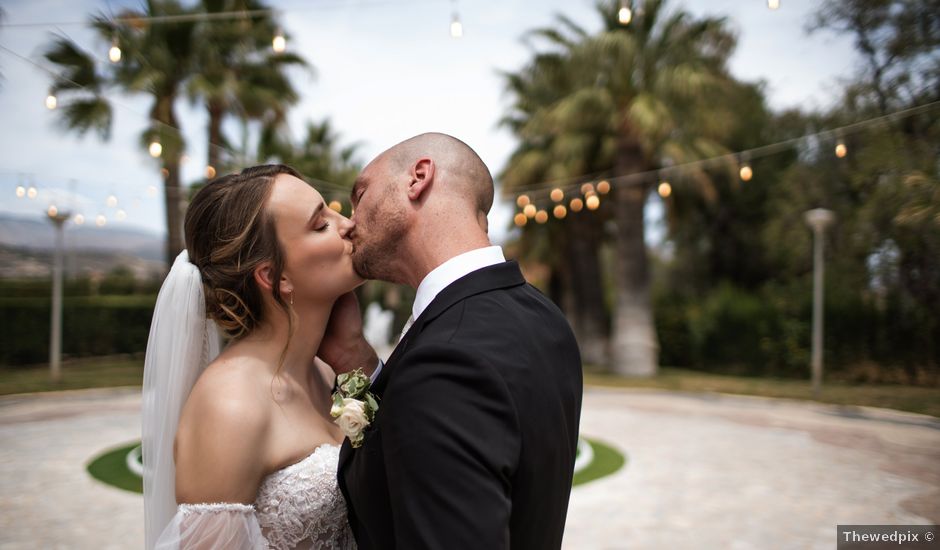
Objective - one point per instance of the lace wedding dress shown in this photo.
(298, 508)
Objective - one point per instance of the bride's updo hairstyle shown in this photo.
(228, 235)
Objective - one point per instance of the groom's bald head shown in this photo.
(460, 169)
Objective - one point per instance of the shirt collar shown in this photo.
(451, 270)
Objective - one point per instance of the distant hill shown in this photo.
(26, 247)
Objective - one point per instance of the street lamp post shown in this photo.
(58, 219)
(818, 219)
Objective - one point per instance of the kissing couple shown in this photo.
(295, 435)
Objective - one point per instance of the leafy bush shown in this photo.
(91, 325)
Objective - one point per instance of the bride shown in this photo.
(239, 448)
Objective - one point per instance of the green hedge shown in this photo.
(91, 325)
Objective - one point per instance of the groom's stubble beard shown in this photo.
(378, 244)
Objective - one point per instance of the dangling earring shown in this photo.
(292, 297)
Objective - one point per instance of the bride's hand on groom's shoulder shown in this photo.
(344, 347)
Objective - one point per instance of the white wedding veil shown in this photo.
(182, 342)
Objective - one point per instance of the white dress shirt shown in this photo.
(443, 276)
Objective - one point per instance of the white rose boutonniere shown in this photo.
(354, 406)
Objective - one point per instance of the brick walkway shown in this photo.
(703, 471)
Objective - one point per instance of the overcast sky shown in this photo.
(385, 70)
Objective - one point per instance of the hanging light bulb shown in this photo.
(210, 171)
(111, 201)
(456, 27)
(100, 220)
(522, 201)
(593, 202)
(587, 189)
(841, 149)
(279, 44)
(664, 189)
(20, 191)
(558, 195)
(576, 205)
(520, 219)
(529, 210)
(114, 54)
(51, 101)
(121, 215)
(746, 172)
(625, 15)
(603, 187)
(32, 192)
(560, 211)
(52, 211)
(151, 191)
(773, 4)
(541, 216)
(336, 206)
(155, 149)
(79, 219)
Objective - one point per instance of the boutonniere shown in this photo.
(354, 406)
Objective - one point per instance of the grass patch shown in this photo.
(607, 460)
(111, 468)
(99, 372)
(917, 399)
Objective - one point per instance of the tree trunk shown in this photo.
(216, 111)
(587, 288)
(173, 200)
(634, 346)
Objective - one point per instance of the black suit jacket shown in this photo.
(474, 442)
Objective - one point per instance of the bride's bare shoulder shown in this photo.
(221, 435)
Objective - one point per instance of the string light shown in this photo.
(664, 189)
(336, 206)
(541, 216)
(111, 201)
(114, 54)
(529, 210)
(773, 4)
(593, 202)
(151, 191)
(603, 187)
(560, 211)
(279, 43)
(522, 201)
(456, 27)
(557, 195)
(51, 101)
(52, 211)
(210, 171)
(841, 149)
(20, 191)
(31, 192)
(746, 172)
(100, 220)
(625, 15)
(79, 219)
(520, 219)
(576, 205)
(587, 189)
(121, 215)
(155, 149)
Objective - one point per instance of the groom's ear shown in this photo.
(422, 176)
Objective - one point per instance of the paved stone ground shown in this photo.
(703, 471)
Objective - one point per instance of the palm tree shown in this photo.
(650, 94)
(239, 74)
(157, 60)
(570, 245)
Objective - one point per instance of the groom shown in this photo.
(473, 445)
